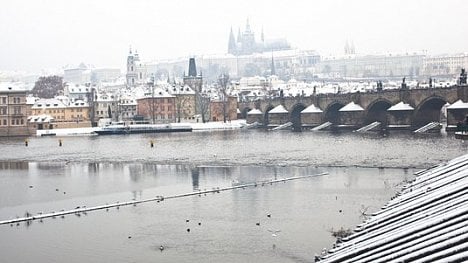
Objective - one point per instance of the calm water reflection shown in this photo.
(90, 171)
(304, 210)
(244, 148)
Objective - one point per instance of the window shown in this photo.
(17, 110)
(5, 122)
(4, 100)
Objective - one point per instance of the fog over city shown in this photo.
(38, 35)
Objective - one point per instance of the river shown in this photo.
(282, 222)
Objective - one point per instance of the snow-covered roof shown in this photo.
(278, 109)
(157, 92)
(48, 103)
(40, 118)
(312, 109)
(30, 100)
(127, 101)
(79, 103)
(459, 104)
(104, 97)
(352, 107)
(400, 106)
(184, 90)
(12, 87)
(254, 111)
(425, 222)
(77, 88)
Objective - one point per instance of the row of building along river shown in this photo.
(282, 222)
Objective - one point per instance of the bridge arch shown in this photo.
(295, 116)
(428, 110)
(377, 111)
(332, 113)
(268, 108)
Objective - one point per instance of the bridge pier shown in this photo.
(427, 107)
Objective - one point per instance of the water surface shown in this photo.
(364, 172)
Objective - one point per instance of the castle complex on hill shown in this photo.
(245, 44)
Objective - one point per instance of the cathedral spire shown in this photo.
(263, 36)
(273, 71)
(247, 26)
(232, 43)
(346, 48)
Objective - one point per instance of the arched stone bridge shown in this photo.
(427, 104)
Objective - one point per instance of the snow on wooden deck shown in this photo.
(425, 222)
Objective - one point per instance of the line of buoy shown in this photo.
(158, 198)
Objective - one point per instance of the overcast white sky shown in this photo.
(38, 34)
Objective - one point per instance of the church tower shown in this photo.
(248, 40)
(132, 75)
(193, 80)
(273, 70)
(232, 46)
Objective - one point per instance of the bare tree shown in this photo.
(203, 105)
(151, 105)
(181, 101)
(223, 81)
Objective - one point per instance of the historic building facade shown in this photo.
(13, 112)
(60, 114)
(157, 107)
